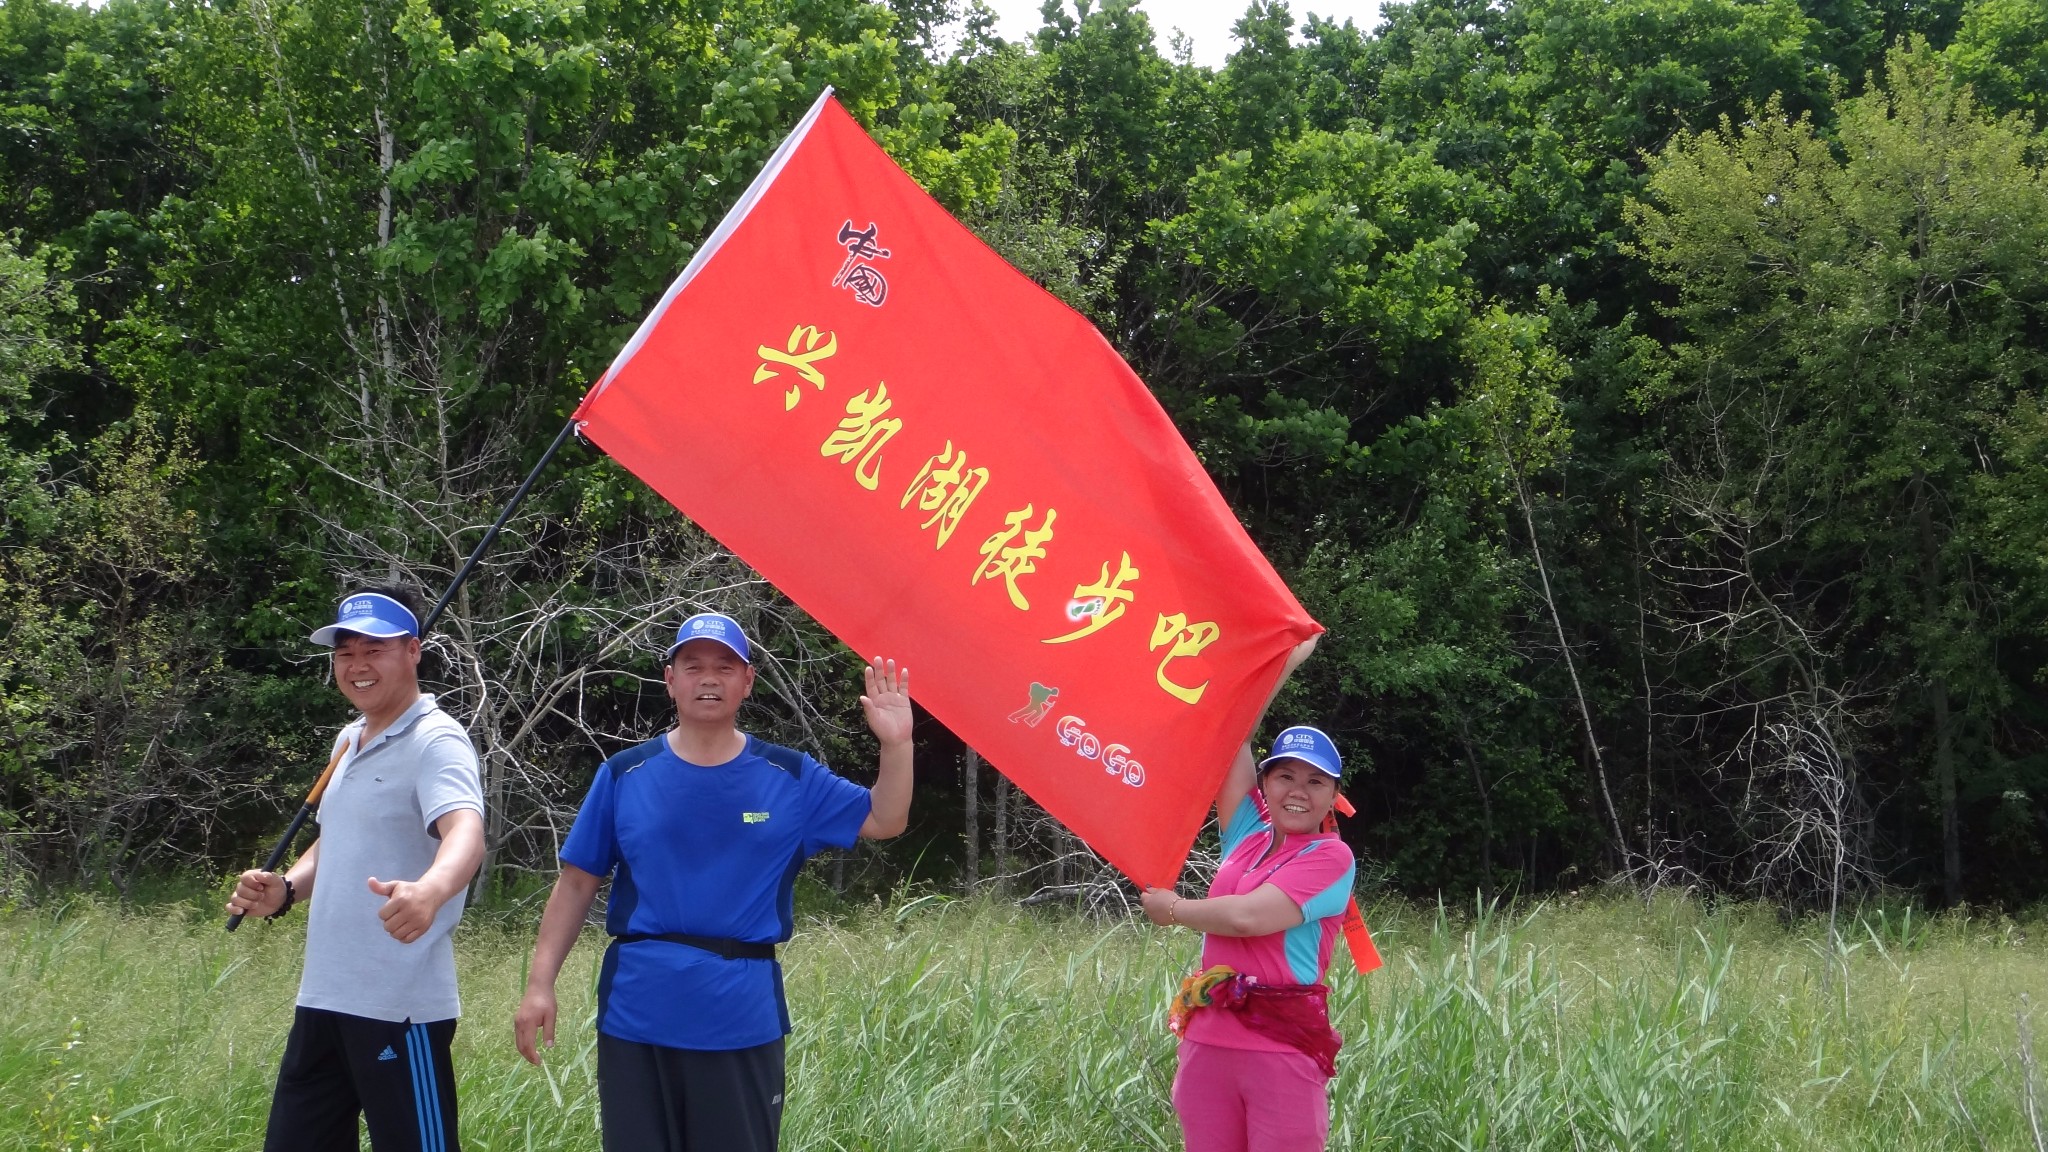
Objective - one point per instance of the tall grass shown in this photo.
(940, 1024)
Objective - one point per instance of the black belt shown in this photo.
(716, 945)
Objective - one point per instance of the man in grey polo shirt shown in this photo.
(401, 833)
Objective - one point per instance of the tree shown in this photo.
(1862, 321)
(2001, 51)
(1699, 538)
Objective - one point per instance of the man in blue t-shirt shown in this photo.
(702, 830)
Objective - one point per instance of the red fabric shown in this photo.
(1297, 1015)
(944, 464)
(1365, 955)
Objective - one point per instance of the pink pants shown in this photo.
(1237, 1100)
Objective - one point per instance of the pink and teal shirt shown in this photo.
(1316, 872)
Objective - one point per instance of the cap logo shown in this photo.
(371, 614)
(713, 627)
(1307, 745)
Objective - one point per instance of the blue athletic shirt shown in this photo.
(709, 852)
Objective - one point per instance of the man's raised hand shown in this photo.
(887, 701)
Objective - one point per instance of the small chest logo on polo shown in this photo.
(753, 817)
(387, 1054)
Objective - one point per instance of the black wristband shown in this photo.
(291, 897)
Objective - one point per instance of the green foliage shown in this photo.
(1865, 317)
(2001, 51)
(1632, 388)
(33, 310)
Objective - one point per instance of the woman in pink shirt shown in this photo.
(1257, 1050)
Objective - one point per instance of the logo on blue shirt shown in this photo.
(753, 817)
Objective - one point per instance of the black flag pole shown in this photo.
(305, 813)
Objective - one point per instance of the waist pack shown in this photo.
(1297, 1015)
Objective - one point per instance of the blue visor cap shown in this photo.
(370, 614)
(1309, 746)
(711, 626)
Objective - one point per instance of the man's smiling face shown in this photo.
(377, 675)
(708, 681)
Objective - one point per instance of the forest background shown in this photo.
(1647, 394)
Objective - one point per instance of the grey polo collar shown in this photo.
(398, 728)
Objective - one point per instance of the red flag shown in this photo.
(944, 464)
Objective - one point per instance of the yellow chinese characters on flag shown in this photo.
(944, 464)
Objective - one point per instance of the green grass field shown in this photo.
(938, 1024)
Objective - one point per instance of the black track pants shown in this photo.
(655, 1099)
(338, 1067)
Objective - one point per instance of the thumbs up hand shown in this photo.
(409, 907)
